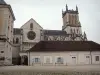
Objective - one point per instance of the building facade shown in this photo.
(15, 42)
(64, 53)
(7, 19)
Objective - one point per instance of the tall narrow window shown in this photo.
(75, 19)
(74, 30)
(17, 40)
(69, 19)
(97, 58)
(77, 30)
(71, 30)
(31, 26)
(13, 41)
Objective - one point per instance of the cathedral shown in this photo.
(32, 45)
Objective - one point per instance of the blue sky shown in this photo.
(48, 13)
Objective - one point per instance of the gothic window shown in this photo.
(31, 35)
(72, 19)
(75, 19)
(71, 30)
(97, 58)
(77, 30)
(74, 30)
(31, 26)
(69, 19)
(17, 40)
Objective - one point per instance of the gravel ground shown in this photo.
(50, 70)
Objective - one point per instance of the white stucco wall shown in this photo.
(67, 56)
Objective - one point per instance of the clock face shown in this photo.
(31, 35)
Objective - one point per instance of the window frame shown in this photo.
(31, 26)
(97, 58)
(37, 60)
(60, 60)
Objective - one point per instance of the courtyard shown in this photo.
(50, 70)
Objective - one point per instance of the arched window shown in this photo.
(31, 26)
(17, 40)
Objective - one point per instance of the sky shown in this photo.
(48, 13)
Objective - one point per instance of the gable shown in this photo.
(31, 21)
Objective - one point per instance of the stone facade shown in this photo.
(6, 32)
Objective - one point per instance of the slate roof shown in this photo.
(16, 31)
(2, 2)
(54, 32)
(55, 46)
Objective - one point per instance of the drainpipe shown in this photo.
(91, 56)
(29, 59)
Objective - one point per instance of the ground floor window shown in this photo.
(97, 58)
(73, 57)
(59, 60)
(87, 56)
(37, 60)
(48, 60)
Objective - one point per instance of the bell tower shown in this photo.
(71, 23)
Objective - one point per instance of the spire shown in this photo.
(66, 7)
(85, 37)
(2, 2)
(76, 8)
